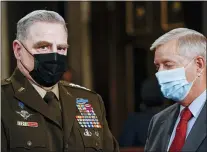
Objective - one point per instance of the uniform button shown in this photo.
(29, 143)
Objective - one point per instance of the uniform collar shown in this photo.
(43, 92)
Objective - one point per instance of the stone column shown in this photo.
(77, 17)
(5, 55)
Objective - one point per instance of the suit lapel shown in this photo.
(25, 93)
(168, 126)
(69, 110)
(197, 133)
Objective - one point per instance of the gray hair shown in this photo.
(189, 42)
(37, 16)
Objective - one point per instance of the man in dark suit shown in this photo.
(134, 132)
(180, 57)
(39, 112)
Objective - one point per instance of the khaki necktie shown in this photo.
(54, 105)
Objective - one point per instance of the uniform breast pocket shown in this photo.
(91, 138)
(28, 136)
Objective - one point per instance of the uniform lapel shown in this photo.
(197, 133)
(69, 110)
(25, 93)
(168, 125)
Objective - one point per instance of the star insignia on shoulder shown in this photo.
(73, 85)
(78, 86)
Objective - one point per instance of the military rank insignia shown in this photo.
(88, 118)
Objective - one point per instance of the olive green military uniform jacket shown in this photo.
(27, 125)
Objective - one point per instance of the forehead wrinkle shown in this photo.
(52, 33)
(31, 33)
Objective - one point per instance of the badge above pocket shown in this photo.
(91, 138)
(87, 117)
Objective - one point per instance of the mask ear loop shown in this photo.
(28, 52)
(189, 63)
(200, 72)
(198, 75)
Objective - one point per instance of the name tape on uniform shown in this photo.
(27, 124)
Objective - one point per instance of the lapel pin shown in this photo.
(8, 80)
(69, 94)
(21, 89)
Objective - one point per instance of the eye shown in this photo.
(44, 48)
(169, 65)
(62, 49)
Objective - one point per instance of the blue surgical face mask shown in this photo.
(174, 84)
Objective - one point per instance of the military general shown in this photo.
(40, 113)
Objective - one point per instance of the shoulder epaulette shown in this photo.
(65, 83)
(5, 81)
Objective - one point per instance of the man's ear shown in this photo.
(201, 64)
(17, 49)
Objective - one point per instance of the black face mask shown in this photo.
(48, 68)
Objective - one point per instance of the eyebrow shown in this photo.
(41, 43)
(45, 43)
(165, 60)
(63, 45)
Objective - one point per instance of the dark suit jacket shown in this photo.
(161, 127)
(135, 128)
(49, 136)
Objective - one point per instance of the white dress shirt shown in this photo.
(195, 107)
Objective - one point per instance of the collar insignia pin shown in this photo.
(21, 89)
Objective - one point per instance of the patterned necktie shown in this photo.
(54, 105)
(181, 130)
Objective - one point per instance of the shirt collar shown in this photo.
(42, 92)
(196, 106)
